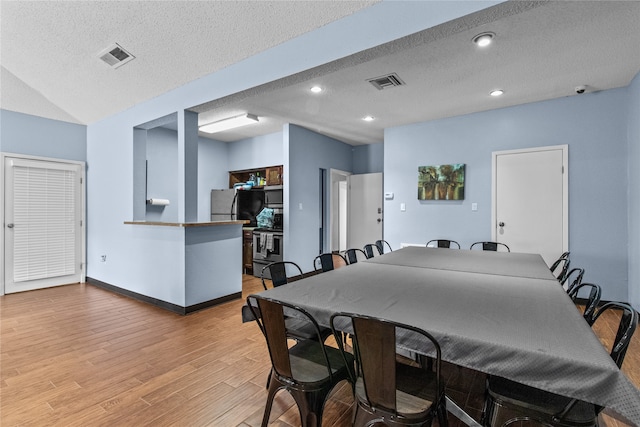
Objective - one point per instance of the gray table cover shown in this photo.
(486, 262)
(522, 328)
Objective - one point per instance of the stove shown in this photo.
(267, 248)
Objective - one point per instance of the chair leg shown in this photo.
(443, 418)
(274, 385)
(269, 378)
(310, 405)
(425, 362)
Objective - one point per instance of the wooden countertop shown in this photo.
(187, 224)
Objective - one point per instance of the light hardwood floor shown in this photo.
(78, 355)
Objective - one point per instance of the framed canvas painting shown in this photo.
(442, 182)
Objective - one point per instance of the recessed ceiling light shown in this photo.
(368, 118)
(316, 89)
(484, 39)
(496, 92)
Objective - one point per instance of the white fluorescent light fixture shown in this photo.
(497, 92)
(230, 123)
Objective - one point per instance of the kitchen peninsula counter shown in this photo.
(194, 264)
(187, 224)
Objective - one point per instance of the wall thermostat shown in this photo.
(388, 196)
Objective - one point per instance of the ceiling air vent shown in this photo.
(115, 56)
(384, 82)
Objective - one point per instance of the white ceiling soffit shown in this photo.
(542, 50)
(52, 47)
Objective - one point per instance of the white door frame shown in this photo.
(565, 188)
(83, 239)
(334, 175)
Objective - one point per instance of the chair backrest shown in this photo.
(270, 317)
(328, 261)
(375, 341)
(278, 272)
(383, 246)
(443, 243)
(371, 250)
(626, 328)
(490, 246)
(353, 254)
(595, 292)
(560, 268)
(578, 274)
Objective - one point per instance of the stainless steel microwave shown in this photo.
(273, 197)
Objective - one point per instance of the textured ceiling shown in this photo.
(542, 50)
(51, 47)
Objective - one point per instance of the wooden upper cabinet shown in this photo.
(274, 175)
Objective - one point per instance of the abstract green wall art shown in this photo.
(442, 182)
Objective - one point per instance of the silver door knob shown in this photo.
(379, 220)
(501, 224)
(9, 225)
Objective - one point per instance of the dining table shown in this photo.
(500, 313)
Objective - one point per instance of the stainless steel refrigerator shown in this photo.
(222, 205)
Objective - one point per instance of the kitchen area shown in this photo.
(256, 196)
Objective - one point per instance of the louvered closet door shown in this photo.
(43, 224)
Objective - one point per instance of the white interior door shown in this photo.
(365, 209)
(43, 223)
(530, 200)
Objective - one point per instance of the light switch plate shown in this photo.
(474, 207)
(403, 207)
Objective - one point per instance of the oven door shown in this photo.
(267, 248)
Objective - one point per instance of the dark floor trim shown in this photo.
(163, 304)
(211, 303)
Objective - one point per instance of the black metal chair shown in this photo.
(490, 246)
(328, 261)
(508, 402)
(309, 370)
(296, 329)
(578, 273)
(277, 272)
(352, 255)
(595, 292)
(443, 243)
(388, 392)
(371, 250)
(560, 268)
(382, 245)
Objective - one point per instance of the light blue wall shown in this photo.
(368, 158)
(594, 127)
(213, 161)
(634, 191)
(37, 136)
(258, 152)
(308, 152)
(162, 174)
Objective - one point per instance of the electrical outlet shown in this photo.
(103, 258)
